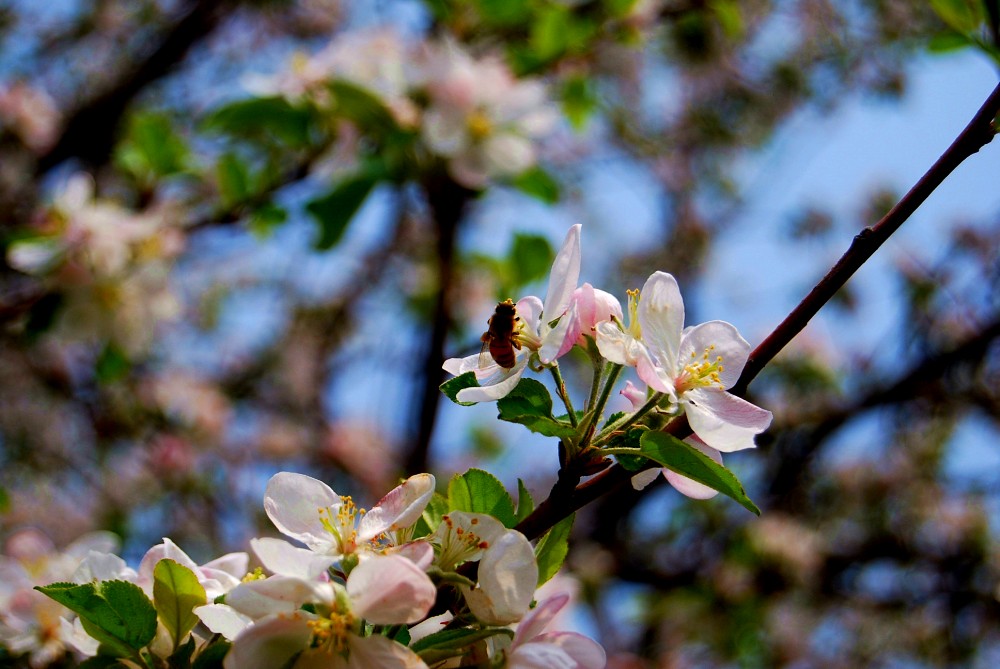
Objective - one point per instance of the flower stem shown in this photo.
(563, 395)
(596, 408)
(628, 421)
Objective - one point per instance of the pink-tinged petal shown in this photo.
(539, 656)
(564, 275)
(168, 550)
(585, 653)
(652, 374)
(420, 553)
(401, 507)
(556, 341)
(589, 307)
(535, 621)
(529, 309)
(293, 502)
(661, 317)
(493, 392)
(378, 651)
(389, 590)
(508, 576)
(270, 643)
(644, 478)
(634, 394)
(688, 487)
(725, 422)
(724, 340)
(223, 619)
(276, 594)
(281, 557)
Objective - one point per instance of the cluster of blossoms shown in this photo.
(685, 370)
(471, 112)
(109, 265)
(400, 585)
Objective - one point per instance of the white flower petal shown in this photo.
(379, 652)
(723, 421)
(506, 154)
(529, 309)
(281, 557)
(430, 626)
(401, 507)
(538, 618)
(270, 643)
(724, 340)
(614, 345)
(293, 502)
(552, 342)
(276, 594)
(583, 652)
(493, 392)
(564, 275)
(389, 590)
(644, 478)
(661, 317)
(508, 576)
(222, 619)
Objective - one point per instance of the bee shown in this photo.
(501, 337)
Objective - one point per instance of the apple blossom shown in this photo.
(693, 367)
(534, 649)
(508, 572)
(537, 334)
(384, 590)
(308, 510)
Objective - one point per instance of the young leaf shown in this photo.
(176, 592)
(530, 405)
(530, 257)
(335, 210)
(451, 387)
(233, 179)
(550, 553)
(525, 504)
(266, 118)
(677, 456)
(539, 184)
(431, 517)
(116, 613)
(479, 491)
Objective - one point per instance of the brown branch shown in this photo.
(979, 132)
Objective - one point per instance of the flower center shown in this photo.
(340, 520)
(700, 372)
(459, 544)
(330, 633)
(479, 125)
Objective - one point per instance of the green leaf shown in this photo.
(530, 405)
(964, 16)
(539, 184)
(530, 257)
(949, 41)
(181, 658)
(233, 179)
(549, 32)
(362, 106)
(111, 365)
(176, 592)
(525, 504)
(431, 517)
(579, 100)
(504, 12)
(551, 551)
(451, 387)
(478, 491)
(335, 210)
(449, 643)
(266, 218)
(101, 662)
(212, 656)
(151, 147)
(116, 613)
(688, 461)
(264, 118)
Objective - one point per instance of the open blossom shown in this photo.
(331, 525)
(384, 590)
(532, 648)
(536, 334)
(508, 572)
(481, 117)
(692, 366)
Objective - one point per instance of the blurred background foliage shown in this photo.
(222, 260)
